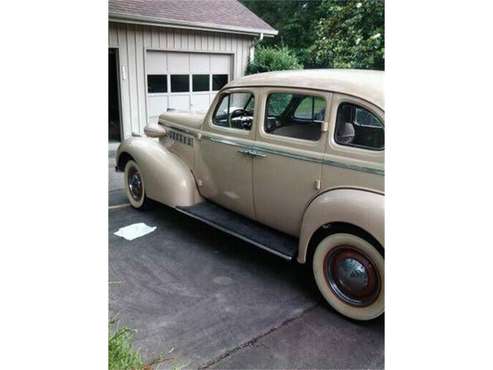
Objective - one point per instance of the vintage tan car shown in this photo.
(292, 162)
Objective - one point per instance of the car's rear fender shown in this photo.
(167, 179)
(358, 207)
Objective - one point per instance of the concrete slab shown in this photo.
(115, 179)
(117, 197)
(320, 339)
(204, 293)
(112, 147)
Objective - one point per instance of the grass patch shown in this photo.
(121, 355)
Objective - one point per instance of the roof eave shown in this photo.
(173, 23)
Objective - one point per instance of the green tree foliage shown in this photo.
(296, 21)
(351, 34)
(273, 59)
(326, 33)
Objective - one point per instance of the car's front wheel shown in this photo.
(349, 272)
(134, 186)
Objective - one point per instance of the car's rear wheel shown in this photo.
(349, 272)
(134, 186)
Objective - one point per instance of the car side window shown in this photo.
(235, 110)
(358, 127)
(298, 116)
(311, 108)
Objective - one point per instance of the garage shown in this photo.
(184, 81)
(174, 54)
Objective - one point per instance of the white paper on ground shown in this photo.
(135, 231)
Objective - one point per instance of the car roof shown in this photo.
(365, 84)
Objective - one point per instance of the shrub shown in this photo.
(273, 59)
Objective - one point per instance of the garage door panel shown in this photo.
(200, 103)
(211, 97)
(180, 102)
(157, 105)
(178, 63)
(220, 64)
(199, 63)
(156, 63)
(153, 120)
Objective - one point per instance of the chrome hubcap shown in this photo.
(134, 184)
(352, 276)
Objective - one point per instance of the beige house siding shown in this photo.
(133, 40)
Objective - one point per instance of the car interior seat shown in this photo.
(346, 133)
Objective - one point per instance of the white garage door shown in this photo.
(184, 81)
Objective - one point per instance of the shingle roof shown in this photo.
(214, 14)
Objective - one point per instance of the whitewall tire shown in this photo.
(135, 186)
(349, 272)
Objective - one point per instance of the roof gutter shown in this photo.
(174, 23)
(254, 45)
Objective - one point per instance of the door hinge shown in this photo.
(316, 184)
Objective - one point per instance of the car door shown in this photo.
(291, 138)
(223, 170)
(356, 141)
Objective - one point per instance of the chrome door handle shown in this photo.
(254, 153)
(244, 151)
(251, 153)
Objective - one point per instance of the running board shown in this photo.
(264, 237)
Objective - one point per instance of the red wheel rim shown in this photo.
(352, 276)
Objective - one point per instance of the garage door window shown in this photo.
(157, 84)
(218, 81)
(180, 83)
(235, 111)
(200, 83)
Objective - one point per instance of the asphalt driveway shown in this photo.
(201, 298)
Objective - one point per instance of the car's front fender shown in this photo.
(167, 179)
(358, 207)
